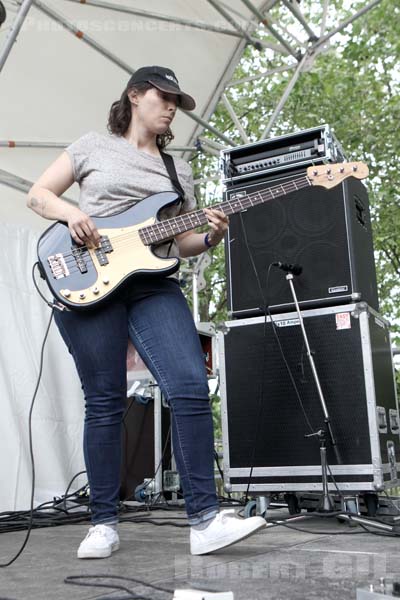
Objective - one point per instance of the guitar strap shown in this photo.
(173, 175)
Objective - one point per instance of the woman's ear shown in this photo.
(133, 97)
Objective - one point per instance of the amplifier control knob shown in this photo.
(95, 290)
(106, 281)
(82, 295)
(66, 293)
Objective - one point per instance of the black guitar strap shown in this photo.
(173, 175)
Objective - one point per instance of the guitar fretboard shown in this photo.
(165, 230)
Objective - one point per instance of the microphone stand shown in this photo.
(326, 503)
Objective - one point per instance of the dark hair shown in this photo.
(121, 112)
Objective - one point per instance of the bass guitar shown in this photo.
(81, 277)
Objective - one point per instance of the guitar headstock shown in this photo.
(332, 174)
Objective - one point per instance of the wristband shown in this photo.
(207, 241)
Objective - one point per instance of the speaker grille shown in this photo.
(259, 393)
(313, 227)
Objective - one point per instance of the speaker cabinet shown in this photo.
(138, 441)
(264, 421)
(327, 232)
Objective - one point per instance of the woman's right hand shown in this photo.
(82, 229)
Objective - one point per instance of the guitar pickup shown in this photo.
(58, 266)
(105, 244)
(101, 256)
(78, 254)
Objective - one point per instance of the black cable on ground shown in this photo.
(315, 514)
(80, 580)
(10, 562)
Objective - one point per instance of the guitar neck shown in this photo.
(165, 230)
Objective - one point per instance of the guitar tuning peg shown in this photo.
(329, 171)
(355, 167)
(315, 172)
(341, 170)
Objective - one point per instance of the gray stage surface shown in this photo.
(278, 563)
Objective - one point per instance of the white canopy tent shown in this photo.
(62, 64)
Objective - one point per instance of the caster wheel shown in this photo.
(371, 502)
(293, 504)
(250, 509)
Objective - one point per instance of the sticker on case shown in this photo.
(343, 321)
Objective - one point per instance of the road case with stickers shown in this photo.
(270, 402)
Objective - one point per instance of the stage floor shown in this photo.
(329, 562)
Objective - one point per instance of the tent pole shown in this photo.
(159, 17)
(236, 82)
(14, 31)
(340, 27)
(235, 24)
(91, 42)
(235, 118)
(265, 21)
(284, 97)
(324, 17)
(82, 36)
(178, 20)
(299, 16)
(21, 184)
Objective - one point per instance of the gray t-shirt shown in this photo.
(113, 176)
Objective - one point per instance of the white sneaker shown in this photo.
(100, 542)
(224, 530)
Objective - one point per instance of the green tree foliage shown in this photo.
(354, 85)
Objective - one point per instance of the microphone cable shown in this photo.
(28, 533)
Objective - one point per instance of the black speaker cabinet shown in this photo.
(327, 232)
(352, 354)
(138, 445)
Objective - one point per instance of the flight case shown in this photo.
(265, 421)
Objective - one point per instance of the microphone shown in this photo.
(288, 268)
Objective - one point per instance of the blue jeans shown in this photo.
(155, 315)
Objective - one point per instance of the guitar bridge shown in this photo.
(58, 266)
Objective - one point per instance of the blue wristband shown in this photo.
(207, 241)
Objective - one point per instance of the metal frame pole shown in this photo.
(344, 24)
(14, 31)
(34, 144)
(262, 75)
(22, 185)
(234, 24)
(161, 17)
(284, 97)
(266, 24)
(235, 118)
(207, 147)
(179, 21)
(104, 52)
(29, 144)
(299, 16)
(82, 36)
(324, 17)
(259, 44)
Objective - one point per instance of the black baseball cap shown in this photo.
(165, 80)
